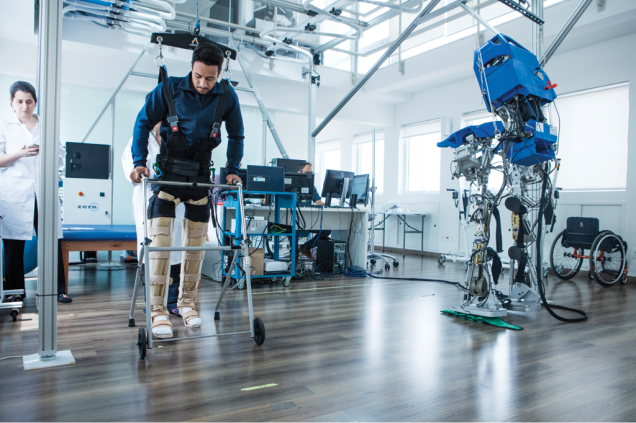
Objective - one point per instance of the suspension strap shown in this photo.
(173, 119)
(220, 110)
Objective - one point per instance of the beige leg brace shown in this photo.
(194, 235)
(160, 233)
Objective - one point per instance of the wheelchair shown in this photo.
(607, 252)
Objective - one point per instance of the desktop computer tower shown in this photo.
(330, 256)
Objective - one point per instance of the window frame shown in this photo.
(405, 147)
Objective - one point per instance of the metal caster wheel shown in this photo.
(373, 262)
(14, 314)
(259, 331)
(241, 284)
(441, 260)
(387, 267)
(287, 281)
(141, 343)
(396, 263)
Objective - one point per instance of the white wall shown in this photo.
(596, 65)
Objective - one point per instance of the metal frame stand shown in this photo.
(257, 329)
(15, 306)
(139, 277)
(372, 256)
(402, 218)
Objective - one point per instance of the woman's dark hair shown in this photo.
(23, 86)
(302, 166)
(209, 55)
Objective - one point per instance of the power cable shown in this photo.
(540, 273)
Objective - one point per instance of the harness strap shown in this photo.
(173, 119)
(220, 110)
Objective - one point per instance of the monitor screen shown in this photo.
(360, 187)
(87, 161)
(290, 165)
(334, 182)
(300, 183)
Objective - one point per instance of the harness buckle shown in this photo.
(174, 123)
(216, 128)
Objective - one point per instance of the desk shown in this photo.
(96, 238)
(337, 220)
(402, 218)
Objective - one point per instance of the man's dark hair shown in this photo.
(23, 86)
(302, 165)
(209, 55)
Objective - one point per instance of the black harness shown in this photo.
(176, 160)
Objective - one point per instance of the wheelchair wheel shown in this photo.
(607, 259)
(564, 265)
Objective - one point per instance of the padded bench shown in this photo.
(96, 238)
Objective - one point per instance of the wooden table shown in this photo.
(96, 238)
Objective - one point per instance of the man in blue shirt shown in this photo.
(305, 249)
(191, 110)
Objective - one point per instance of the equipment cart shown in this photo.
(257, 328)
(233, 208)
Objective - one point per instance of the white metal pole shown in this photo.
(537, 30)
(372, 191)
(50, 40)
(264, 141)
(311, 117)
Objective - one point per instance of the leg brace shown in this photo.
(160, 232)
(194, 235)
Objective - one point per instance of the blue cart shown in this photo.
(281, 200)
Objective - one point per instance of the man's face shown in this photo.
(307, 169)
(204, 77)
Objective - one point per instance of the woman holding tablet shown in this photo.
(19, 184)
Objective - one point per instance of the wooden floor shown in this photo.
(346, 349)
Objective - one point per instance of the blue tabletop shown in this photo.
(99, 232)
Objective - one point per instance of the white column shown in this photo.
(50, 50)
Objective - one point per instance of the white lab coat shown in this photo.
(138, 197)
(20, 181)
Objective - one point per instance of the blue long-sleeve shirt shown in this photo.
(316, 195)
(196, 114)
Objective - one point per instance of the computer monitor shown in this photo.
(265, 178)
(337, 183)
(359, 190)
(290, 165)
(87, 161)
(302, 184)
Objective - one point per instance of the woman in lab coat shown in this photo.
(19, 185)
(139, 208)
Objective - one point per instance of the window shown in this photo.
(420, 157)
(327, 157)
(592, 138)
(462, 27)
(363, 157)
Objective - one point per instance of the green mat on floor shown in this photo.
(493, 321)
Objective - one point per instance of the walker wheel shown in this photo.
(14, 314)
(259, 331)
(372, 262)
(387, 267)
(396, 263)
(441, 260)
(141, 343)
(287, 281)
